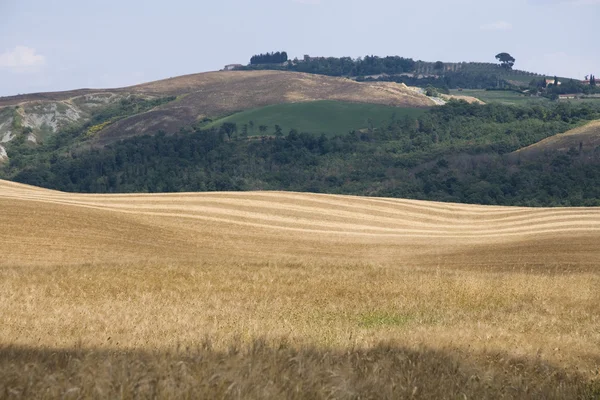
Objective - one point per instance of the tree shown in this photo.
(592, 80)
(229, 128)
(262, 128)
(278, 131)
(431, 91)
(438, 66)
(506, 60)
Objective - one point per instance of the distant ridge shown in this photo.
(197, 96)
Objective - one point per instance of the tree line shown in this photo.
(459, 152)
(343, 66)
(278, 57)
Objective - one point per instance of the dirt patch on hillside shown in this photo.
(468, 99)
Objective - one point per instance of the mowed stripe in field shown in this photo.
(42, 225)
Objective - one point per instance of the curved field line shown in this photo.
(329, 214)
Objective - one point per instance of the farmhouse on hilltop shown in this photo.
(550, 81)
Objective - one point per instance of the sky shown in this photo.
(51, 45)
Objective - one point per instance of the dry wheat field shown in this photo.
(291, 295)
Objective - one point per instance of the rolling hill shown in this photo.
(585, 139)
(190, 99)
(105, 228)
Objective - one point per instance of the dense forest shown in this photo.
(458, 152)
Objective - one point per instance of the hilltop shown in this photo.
(448, 75)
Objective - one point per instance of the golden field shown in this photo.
(290, 295)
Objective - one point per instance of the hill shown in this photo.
(159, 294)
(183, 101)
(584, 139)
(186, 226)
(443, 75)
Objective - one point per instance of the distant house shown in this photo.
(587, 81)
(232, 67)
(567, 96)
(550, 81)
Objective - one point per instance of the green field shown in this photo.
(330, 117)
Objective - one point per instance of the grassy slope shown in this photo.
(588, 136)
(331, 117)
(287, 295)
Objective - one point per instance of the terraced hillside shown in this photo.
(275, 294)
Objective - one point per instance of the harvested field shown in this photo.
(273, 294)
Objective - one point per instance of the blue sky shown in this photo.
(48, 45)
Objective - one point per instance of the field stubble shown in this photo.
(259, 295)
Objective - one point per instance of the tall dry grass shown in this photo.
(258, 370)
(299, 296)
(458, 326)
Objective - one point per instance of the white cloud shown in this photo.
(497, 26)
(22, 58)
